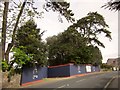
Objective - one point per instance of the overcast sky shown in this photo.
(51, 24)
(80, 8)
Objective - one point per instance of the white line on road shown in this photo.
(67, 85)
(109, 82)
(62, 86)
(80, 80)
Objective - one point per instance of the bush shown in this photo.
(105, 66)
(5, 66)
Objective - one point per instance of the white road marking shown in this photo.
(67, 85)
(109, 82)
(62, 86)
(80, 80)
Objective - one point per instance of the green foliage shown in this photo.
(18, 12)
(60, 47)
(10, 74)
(105, 66)
(62, 7)
(91, 26)
(29, 37)
(5, 66)
(20, 57)
(112, 5)
(70, 46)
(96, 55)
(78, 43)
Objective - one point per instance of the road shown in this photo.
(115, 82)
(99, 80)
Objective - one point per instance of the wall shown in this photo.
(59, 71)
(73, 70)
(14, 83)
(97, 68)
(33, 74)
(93, 68)
(77, 69)
(66, 70)
(70, 69)
(83, 68)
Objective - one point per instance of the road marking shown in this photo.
(109, 83)
(80, 80)
(67, 85)
(62, 86)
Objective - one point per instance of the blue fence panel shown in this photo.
(73, 70)
(83, 68)
(97, 68)
(33, 73)
(62, 71)
(43, 72)
(93, 69)
(77, 69)
(37, 73)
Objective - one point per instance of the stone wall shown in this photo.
(14, 83)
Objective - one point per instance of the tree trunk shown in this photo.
(10, 45)
(8, 51)
(4, 27)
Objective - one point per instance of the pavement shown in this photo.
(91, 80)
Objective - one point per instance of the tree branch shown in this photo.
(10, 45)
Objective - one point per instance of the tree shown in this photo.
(106, 66)
(60, 6)
(20, 57)
(4, 27)
(112, 5)
(27, 8)
(10, 45)
(29, 37)
(91, 26)
(79, 43)
(70, 47)
(95, 55)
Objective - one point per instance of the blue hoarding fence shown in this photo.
(71, 69)
(31, 74)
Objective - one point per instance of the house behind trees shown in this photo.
(114, 62)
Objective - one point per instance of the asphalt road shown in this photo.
(115, 83)
(100, 80)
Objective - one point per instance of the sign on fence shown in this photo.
(88, 68)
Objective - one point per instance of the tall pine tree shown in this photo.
(29, 36)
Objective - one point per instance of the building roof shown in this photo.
(113, 61)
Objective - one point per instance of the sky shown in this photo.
(50, 23)
(52, 26)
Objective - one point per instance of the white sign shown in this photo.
(88, 68)
(35, 73)
(79, 69)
